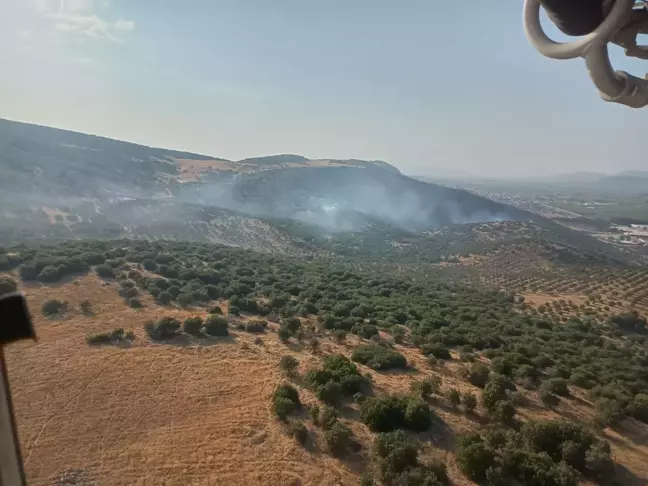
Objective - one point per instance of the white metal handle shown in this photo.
(570, 50)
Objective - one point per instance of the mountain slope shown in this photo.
(56, 185)
(62, 163)
(325, 195)
(50, 168)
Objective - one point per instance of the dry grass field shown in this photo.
(148, 413)
(198, 413)
(193, 170)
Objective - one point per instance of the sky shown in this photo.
(431, 86)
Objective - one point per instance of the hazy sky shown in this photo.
(423, 84)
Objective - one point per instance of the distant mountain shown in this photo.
(627, 182)
(582, 177)
(633, 173)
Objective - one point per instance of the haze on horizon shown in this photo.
(424, 86)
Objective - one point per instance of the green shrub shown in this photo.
(288, 391)
(104, 271)
(53, 307)
(162, 329)
(418, 415)
(338, 377)
(437, 350)
(504, 411)
(184, 300)
(150, 265)
(496, 390)
(562, 440)
(314, 344)
(134, 303)
(164, 298)
(299, 431)
(284, 334)
(7, 285)
(283, 407)
(366, 331)
(330, 393)
(395, 452)
(314, 413)
(216, 326)
(454, 397)
(285, 400)
(433, 474)
(85, 307)
(115, 336)
(383, 414)
(629, 321)
(396, 458)
(366, 479)
(288, 364)
(479, 374)
(473, 457)
(469, 401)
(193, 325)
(608, 412)
(638, 407)
(256, 326)
(422, 388)
(398, 333)
(548, 399)
(291, 323)
(338, 439)
(598, 461)
(557, 386)
(328, 417)
(386, 413)
(378, 357)
(339, 335)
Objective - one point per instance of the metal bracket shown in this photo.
(627, 36)
(624, 23)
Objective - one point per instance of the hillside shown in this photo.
(60, 164)
(56, 184)
(100, 407)
(286, 321)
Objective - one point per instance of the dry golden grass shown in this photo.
(192, 170)
(151, 413)
(197, 414)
